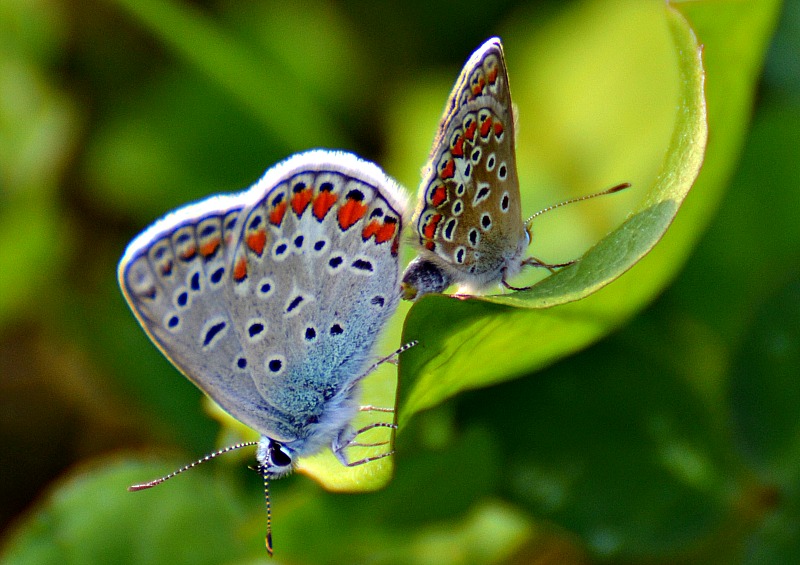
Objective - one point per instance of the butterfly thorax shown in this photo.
(310, 424)
(429, 273)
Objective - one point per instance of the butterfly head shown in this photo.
(275, 458)
(528, 235)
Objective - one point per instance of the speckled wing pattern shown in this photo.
(468, 219)
(271, 300)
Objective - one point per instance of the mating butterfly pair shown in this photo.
(271, 300)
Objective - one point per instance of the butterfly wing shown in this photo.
(319, 258)
(468, 219)
(173, 277)
(269, 300)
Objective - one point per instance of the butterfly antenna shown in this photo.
(209, 457)
(611, 190)
(268, 537)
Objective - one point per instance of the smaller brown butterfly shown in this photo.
(468, 218)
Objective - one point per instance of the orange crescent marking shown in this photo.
(478, 88)
(371, 229)
(498, 129)
(469, 133)
(209, 248)
(350, 213)
(385, 232)
(323, 203)
(458, 147)
(240, 270)
(301, 200)
(449, 170)
(429, 229)
(276, 215)
(439, 195)
(256, 242)
(493, 75)
(486, 126)
(189, 253)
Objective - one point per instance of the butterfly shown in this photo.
(468, 223)
(271, 301)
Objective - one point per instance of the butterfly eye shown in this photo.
(279, 456)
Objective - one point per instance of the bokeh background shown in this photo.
(674, 439)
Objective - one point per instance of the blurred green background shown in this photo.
(675, 439)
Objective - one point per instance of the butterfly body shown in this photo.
(271, 300)
(468, 221)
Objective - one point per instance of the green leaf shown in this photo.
(91, 518)
(463, 342)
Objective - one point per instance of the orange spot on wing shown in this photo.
(439, 195)
(301, 200)
(350, 213)
(208, 249)
(383, 231)
(189, 253)
(469, 133)
(386, 232)
(256, 241)
(492, 75)
(371, 229)
(240, 270)
(449, 170)
(429, 229)
(166, 269)
(458, 147)
(323, 203)
(498, 128)
(486, 126)
(430, 246)
(477, 88)
(276, 214)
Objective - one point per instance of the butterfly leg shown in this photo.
(347, 439)
(534, 262)
(371, 408)
(392, 357)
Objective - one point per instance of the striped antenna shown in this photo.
(268, 537)
(611, 190)
(209, 457)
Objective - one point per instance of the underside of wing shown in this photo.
(270, 300)
(468, 216)
(315, 277)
